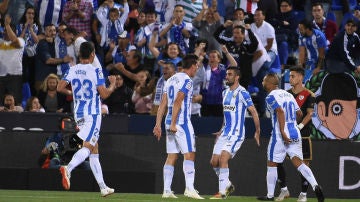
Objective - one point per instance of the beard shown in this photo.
(229, 83)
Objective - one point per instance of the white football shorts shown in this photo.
(89, 128)
(230, 143)
(183, 141)
(277, 150)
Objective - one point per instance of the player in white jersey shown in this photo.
(236, 100)
(285, 137)
(88, 85)
(180, 136)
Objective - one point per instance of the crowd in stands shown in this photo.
(142, 43)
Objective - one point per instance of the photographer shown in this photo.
(54, 154)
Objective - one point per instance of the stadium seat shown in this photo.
(26, 94)
(300, 15)
(331, 16)
(336, 5)
(347, 16)
(352, 4)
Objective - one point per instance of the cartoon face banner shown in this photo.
(336, 111)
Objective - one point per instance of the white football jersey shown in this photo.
(235, 103)
(84, 80)
(179, 82)
(281, 98)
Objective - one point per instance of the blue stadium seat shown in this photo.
(347, 16)
(26, 94)
(300, 15)
(336, 5)
(331, 16)
(352, 4)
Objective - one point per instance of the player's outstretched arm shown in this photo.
(176, 110)
(159, 116)
(255, 117)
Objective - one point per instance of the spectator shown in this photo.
(285, 24)
(169, 70)
(164, 10)
(11, 51)
(177, 30)
(28, 29)
(312, 46)
(344, 53)
(112, 23)
(120, 100)
(33, 105)
(207, 21)
(46, 61)
(328, 27)
(308, 5)
(9, 105)
(192, 8)
(241, 49)
(248, 6)
(171, 52)
(62, 50)
(55, 152)
(266, 35)
(213, 85)
(117, 53)
(77, 13)
(355, 16)
(131, 68)
(49, 98)
(143, 93)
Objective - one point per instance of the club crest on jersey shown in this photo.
(301, 97)
(100, 75)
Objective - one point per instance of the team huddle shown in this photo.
(286, 138)
(88, 86)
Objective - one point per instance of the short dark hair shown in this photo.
(71, 30)
(241, 28)
(150, 12)
(317, 4)
(86, 48)
(240, 9)
(236, 70)
(297, 69)
(262, 11)
(306, 23)
(137, 55)
(189, 60)
(114, 10)
(286, 1)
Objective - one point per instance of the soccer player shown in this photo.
(180, 136)
(235, 102)
(305, 99)
(285, 137)
(88, 85)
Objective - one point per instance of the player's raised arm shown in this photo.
(159, 116)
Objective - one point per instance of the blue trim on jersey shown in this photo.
(185, 87)
(273, 142)
(247, 98)
(242, 127)
(227, 114)
(80, 111)
(89, 107)
(188, 137)
(97, 105)
(272, 102)
(293, 132)
(92, 128)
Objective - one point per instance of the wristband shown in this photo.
(300, 126)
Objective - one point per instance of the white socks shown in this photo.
(168, 172)
(189, 172)
(271, 177)
(223, 179)
(308, 175)
(78, 158)
(96, 170)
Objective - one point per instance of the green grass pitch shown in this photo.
(68, 196)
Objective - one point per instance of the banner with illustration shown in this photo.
(336, 111)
